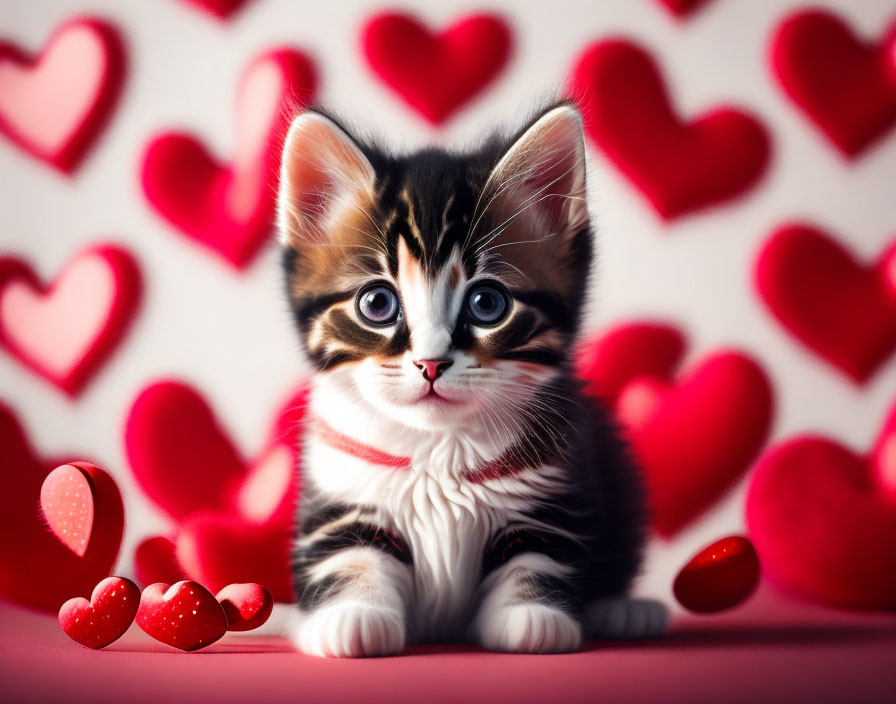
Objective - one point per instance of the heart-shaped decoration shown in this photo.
(36, 568)
(218, 550)
(105, 618)
(682, 8)
(54, 106)
(229, 208)
(247, 606)
(820, 523)
(66, 331)
(222, 9)
(66, 500)
(842, 309)
(694, 433)
(185, 615)
(719, 577)
(155, 561)
(185, 462)
(436, 73)
(680, 167)
(845, 86)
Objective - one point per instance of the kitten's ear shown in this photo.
(543, 173)
(323, 171)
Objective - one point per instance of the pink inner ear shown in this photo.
(67, 502)
(266, 486)
(45, 104)
(258, 110)
(55, 330)
(638, 401)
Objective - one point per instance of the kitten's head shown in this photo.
(442, 288)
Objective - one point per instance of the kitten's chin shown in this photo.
(429, 412)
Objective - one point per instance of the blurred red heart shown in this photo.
(719, 577)
(821, 524)
(218, 550)
(230, 208)
(841, 308)
(436, 74)
(693, 435)
(680, 167)
(55, 105)
(66, 331)
(155, 561)
(104, 619)
(185, 462)
(845, 86)
(222, 9)
(185, 615)
(247, 606)
(36, 568)
(682, 8)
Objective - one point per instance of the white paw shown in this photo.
(528, 628)
(350, 629)
(626, 619)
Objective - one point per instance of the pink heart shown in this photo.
(65, 331)
(67, 503)
(53, 106)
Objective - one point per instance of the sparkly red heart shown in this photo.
(229, 208)
(222, 9)
(694, 433)
(845, 86)
(841, 308)
(821, 522)
(680, 167)
(247, 606)
(66, 331)
(219, 549)
(719, 577)
(36, 568)
(155, 561)
(436, 74)
(54, 106)
(185, 615)
(105, 618)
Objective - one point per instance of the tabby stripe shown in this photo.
(357, 534)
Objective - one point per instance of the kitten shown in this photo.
(456, 484)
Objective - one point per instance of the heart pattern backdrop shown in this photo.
(698, 406)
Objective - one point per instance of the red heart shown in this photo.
(222, 9)
(66, 332)
(36, 568)
(155, 561)
(679, 167)
(846, 87)
(247, 606)
(821, 525)
(218, 550)
(719, 577)
(184, 461)
(55, 105)
(682, 8)
(694, 437)
(103, 619)
(436, 73)
(66, 500)
(229, 208)
(841, 308)
(185, 615)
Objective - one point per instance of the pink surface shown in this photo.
(766, 651)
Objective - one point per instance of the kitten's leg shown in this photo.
(528, 607)
(354, 585)
(626, 618)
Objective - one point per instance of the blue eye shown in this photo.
(378, 304)
(487, 304)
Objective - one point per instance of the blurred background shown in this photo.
(227, 331)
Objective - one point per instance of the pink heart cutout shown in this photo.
(67, 503)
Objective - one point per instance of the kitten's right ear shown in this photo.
(323, 172)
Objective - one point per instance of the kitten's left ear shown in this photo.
(543, 173)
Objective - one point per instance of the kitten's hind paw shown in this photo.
(350, 629)
(626, 619)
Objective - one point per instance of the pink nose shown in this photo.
(433, 368)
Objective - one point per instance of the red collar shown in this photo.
(504, 466)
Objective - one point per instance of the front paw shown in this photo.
(528, 628)
(351, 629)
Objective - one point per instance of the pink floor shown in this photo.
(770, 650)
